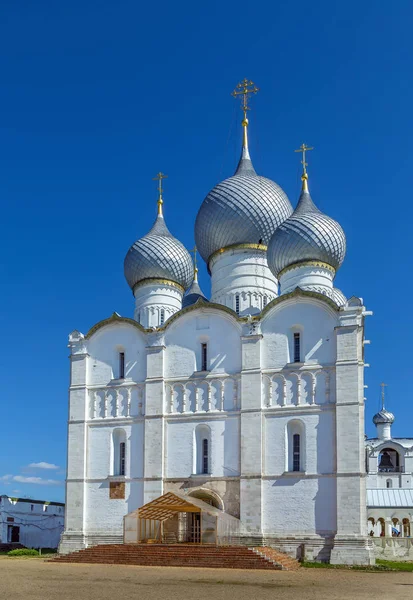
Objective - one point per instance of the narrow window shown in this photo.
(45, 508)
(264, 302)
(205, 456)
(297, 347)
(237, 304)
(389, 483)
(162, 320)
(32, 507)
(296, 452)
(204, 357)
(121, 365)
(122, 456)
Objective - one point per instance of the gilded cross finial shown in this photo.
(382, 385)
(159, 178)
(194, 252)
(304, 177)
(245, 89)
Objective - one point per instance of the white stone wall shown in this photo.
(249, 397)
(40, 524)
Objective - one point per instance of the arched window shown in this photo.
(119, 452)
(389, 483)
(297, 347)
(202, 454)
(121, 365)
(204, 356)
(295, 446)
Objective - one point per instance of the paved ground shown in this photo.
(34, 579)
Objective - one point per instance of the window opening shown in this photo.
(122, 457)
(389, 483)
(296, 452)
(162, 316)
(237, 304)
(32, 507)
(264, 302)
(204, 357)
(205, 456)
(121, 365)
(297, 347)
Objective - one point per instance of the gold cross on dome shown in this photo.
(194, 252)
(159, 178)
(245, 89)
(303, 149)
(382, 385)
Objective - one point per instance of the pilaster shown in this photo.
(251, 435)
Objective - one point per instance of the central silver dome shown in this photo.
(244, 208)
(158, 255)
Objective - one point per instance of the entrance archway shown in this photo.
(208, 496)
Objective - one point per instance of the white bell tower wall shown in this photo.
(241, 279)
(156, 300)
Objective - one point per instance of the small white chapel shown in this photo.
(250, 401)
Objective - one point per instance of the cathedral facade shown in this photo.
(252, 400)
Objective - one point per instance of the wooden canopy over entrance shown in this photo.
(178, 518)
(167, 506)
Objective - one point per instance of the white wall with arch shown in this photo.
(317, 443)
(182, 437)
(104, 347)
(183, 339)
(313, 319)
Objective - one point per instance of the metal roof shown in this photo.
(390, 498)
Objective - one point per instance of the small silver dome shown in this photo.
(244, 208)
(158, 255)
(384, 416)
(308, 234)
(193, 294)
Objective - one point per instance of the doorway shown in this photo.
(13, 534)
(195, 528)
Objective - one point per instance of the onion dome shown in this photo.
(307, 235)
(194, 293)
(383, 416)
(243, 209)
(158, 255)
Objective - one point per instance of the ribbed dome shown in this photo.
(158, 255)
(244, 208)
(384, 416)
(307, 235)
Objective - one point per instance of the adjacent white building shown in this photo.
(389, 465)
(252, 401)
(31, 523)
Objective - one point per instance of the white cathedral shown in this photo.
(251, 401)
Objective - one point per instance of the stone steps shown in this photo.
(181, 555)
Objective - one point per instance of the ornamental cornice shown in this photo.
(307, 263)
(297, 293)
(157, 281)
(246, 246)
(201, 303)
(114, 319)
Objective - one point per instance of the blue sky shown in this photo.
(97, 97)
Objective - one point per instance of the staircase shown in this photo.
(180, 555)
